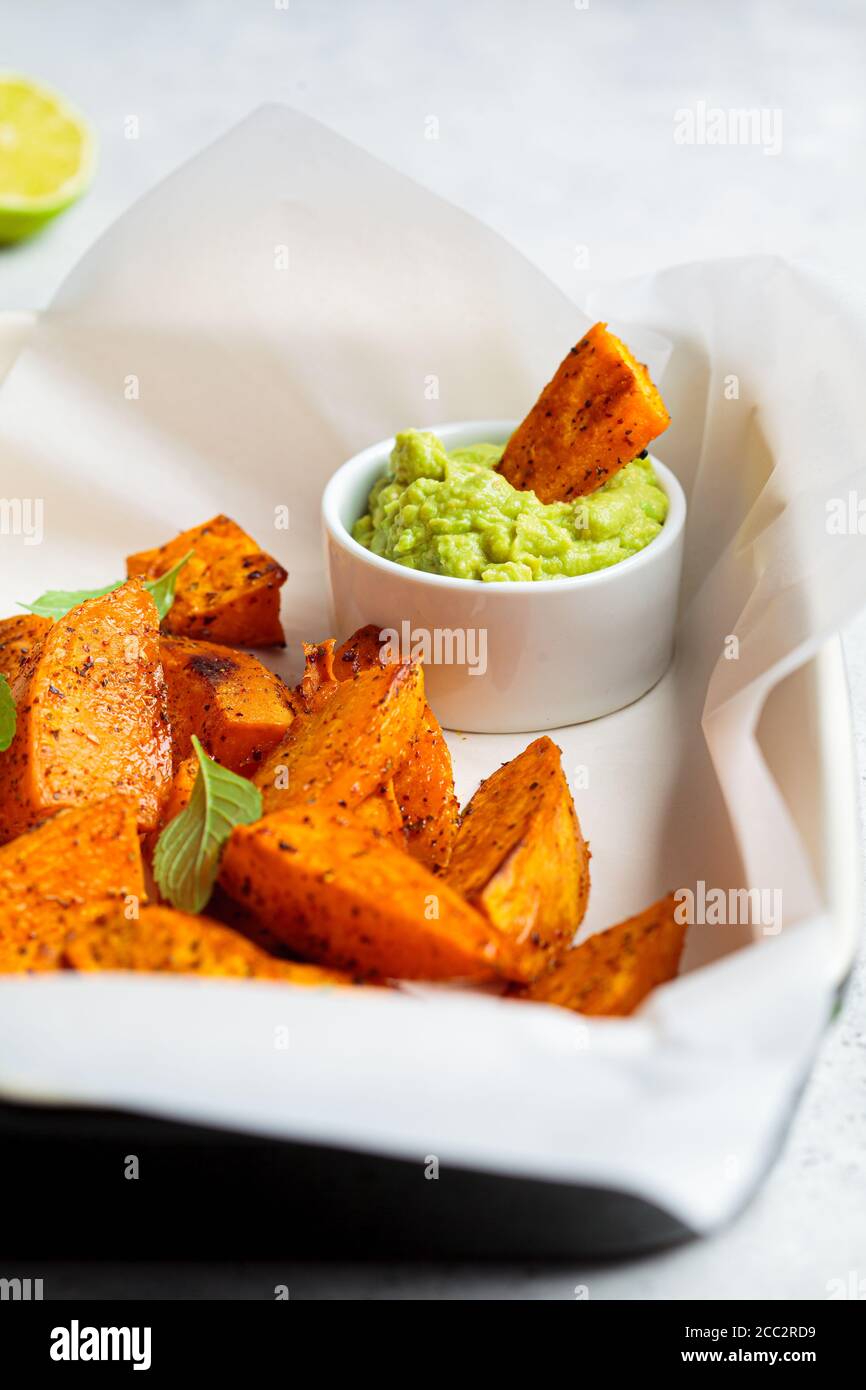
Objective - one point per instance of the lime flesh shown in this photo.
(46, 156)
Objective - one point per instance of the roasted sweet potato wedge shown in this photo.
(424, 781)
(424, 788)
(318, 682)
(353, 902)
(613, 971)
(228, 591)
(165, 940)
(235, 705)
(180, 790)
(380, 813)
(598, 413)
(377, 813)
(358, 653)
(350, 747)
(80, 864)
(521, 859)
(92, 715)
(224, 909)
(18, 637)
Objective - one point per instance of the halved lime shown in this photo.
(46, 156)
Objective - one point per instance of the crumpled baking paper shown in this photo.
(219, 352)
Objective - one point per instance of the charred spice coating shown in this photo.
(92, 715)
(227, 592)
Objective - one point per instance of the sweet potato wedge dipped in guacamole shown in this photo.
(91, 714)
(521, 859)
(80, 864)
(612, 972)
(571, 492)
(599, 412)
(229, 589)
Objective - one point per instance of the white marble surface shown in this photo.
(555, 125)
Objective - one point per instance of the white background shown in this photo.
(555, 126)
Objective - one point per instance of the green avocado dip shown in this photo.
(454, 514)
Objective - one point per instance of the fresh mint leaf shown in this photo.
(8, 717)
(162, 589)
(56, 603)
(186, 860)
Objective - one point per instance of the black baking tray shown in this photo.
(206, 1193)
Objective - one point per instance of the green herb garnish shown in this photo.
(56, 603)
(162, 590)
(186, 860)
(8, 716)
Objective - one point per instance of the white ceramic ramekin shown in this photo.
(512, 658)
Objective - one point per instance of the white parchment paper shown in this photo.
(283, 301)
